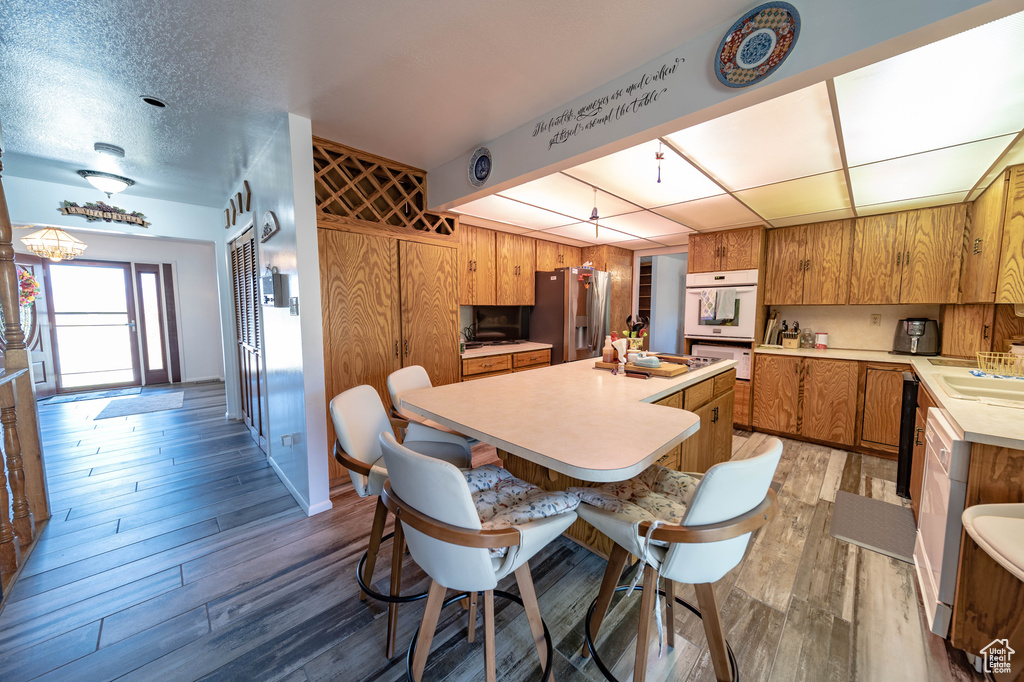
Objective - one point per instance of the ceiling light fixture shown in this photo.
(659, 156)
(153, 101)
(593, 214)
(54, 243)
(109, 149)
(106, 182)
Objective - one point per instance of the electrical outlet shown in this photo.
(876, 320)
(286, 440)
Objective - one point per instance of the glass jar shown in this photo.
(806, 338)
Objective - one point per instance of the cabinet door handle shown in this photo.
(917, 434)
(396, 350)
(906, 258)
(807, 264)
(800, 265)
(977, 246)
(406, 348)
(714, 415)
(985, 332)
(899, 257)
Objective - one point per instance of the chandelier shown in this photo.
(54, 243)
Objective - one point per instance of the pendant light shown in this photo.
(659, 157)
(593, 214)
(107, 183)
(54, 243)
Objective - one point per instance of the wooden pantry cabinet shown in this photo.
(387, 304)
(727, 250)
(971, 329)
(552, 255)
(909, 257)
(476, 266)
(515, 265)
(809, 264)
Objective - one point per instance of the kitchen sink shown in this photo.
(1005, 392)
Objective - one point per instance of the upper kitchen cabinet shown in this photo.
(909, 257)
(551, 256)
(980, 270)
(1010, 284)
(809, 264)
(476, 266)
(729, 250)
(618, 263)
(515, 267)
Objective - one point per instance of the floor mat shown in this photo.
(148, 402)
(92, 395)
(882, 527)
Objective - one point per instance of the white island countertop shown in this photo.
(572, 418)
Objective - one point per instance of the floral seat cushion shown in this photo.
(657, 494)
(502, 500)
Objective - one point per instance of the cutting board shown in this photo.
(667, 369)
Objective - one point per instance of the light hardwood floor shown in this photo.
(177, 554)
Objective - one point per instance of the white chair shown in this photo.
(442, 519)
(359, 417)
(411, 378)
(699, 546)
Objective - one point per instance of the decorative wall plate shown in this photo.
(268, 226)
(480, 167)
(757, 44)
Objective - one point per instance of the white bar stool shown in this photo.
(435, 503)
(687, 529)
(359, 417)
(411, 378)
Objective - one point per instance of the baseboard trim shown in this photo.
(291, 488)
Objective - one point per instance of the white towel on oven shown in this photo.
(726, 309)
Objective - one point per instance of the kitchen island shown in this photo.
(572, 424)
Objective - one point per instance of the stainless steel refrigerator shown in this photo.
(571, 311)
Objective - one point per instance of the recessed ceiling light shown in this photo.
(153, 101)
(106, 182)
(109, 149)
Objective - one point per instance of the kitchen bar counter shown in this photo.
(571, 418)
(505, 349)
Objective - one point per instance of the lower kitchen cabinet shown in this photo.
(829, 402)
(741, 406)
(777, 393)
(493, 365)
(712, 401)
(883, 394)
(924, 401)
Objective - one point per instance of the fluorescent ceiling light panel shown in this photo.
(942, 171)
(967, 87)
(713, 212)
(644, 224)
(513, 212)
(558, 239)
(814, 194)
(567, 195)
(825, 216)
(910, 204)
(585, 232)
(1013, 157)
(788, 137)
(675, 239)
(633, 174)
(635, 244)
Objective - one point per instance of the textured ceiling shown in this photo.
(420, 82)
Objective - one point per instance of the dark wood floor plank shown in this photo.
(30, 663)
(57, 543)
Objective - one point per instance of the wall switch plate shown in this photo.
(876, 320)
(286, 440)
(293, 305)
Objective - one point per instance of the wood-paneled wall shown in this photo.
(619, 264)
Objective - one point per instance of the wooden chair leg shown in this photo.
(397, 554)
(616, 561)
(713, 629)
(380, 516)
(670, 617)
(643, 637)
(529, 595)
(489, 664)
(431, 612)
(471, 637)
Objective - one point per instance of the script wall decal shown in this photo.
(101, 211)
(616, 104)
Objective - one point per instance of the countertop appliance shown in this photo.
(739, 287)
(939, 525)
(740, 355)
(571, 312)
(916, 336)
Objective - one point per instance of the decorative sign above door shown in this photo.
(101, 211)
(757, 44)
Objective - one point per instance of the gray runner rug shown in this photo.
(882, 527)
(139, 404)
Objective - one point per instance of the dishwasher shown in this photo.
(939, 526)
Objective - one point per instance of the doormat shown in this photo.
(140, 404)
(92, 395)
(882, 527)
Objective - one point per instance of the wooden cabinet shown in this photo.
(909, 257)
(809, 264)
(729, 250)
(476, 266)
(514, 270)
(828, 410)
(777, 393)
(741, 406)
(531, 359)
(551, 256)
(712, 401)
(1010, 282)
(376, 321)
(671, 458)
(883, 395)
(493, 365)
(924, 401)
(618, 263)
(980, 268)
(967, 329)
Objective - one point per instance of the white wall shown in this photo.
(668, 296)
(281, 180)
(849, 326)
(195, 288)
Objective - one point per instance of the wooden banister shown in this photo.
(15, 465)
